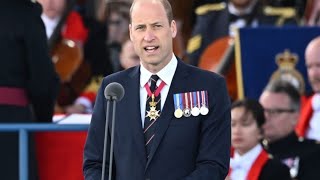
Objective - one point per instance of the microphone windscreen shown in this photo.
(114, 90)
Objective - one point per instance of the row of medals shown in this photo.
(195, 111)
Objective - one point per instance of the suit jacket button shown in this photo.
(148, 179)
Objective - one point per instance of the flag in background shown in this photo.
(256, 50)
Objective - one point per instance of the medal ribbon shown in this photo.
(186, 101)
(191, 103)
(203, 101)
(198, 99)
(177, 101)
(194, 97)
(158, 90)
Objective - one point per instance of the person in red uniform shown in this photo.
(309, 121)
(73, 28)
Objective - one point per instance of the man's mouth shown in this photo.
(151, 48)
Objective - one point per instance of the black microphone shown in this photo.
(113, 92)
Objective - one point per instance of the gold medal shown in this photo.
(153, 113)
(178, 113)
(152, 103)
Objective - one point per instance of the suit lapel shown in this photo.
(133, 103)
(168, 108)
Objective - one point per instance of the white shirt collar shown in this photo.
(245, 161)
(50, 24)
(235, 11)
(165, 74)
(315, 102)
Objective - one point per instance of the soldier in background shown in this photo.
(28, 82)
(220, 18)
(281, 102)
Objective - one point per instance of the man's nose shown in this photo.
(149, 36)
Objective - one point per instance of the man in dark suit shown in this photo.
(28, 82)
(180, 130)
(281, 102)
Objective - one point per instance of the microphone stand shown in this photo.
(113, 99)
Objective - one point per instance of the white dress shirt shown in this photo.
(313, 131)
(165, 74)
(241, 165)
(50, 24)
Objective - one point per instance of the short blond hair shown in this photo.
(166, 4)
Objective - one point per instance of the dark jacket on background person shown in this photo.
(213, 20)
(28, 82)
(302, 156)
(25, 63)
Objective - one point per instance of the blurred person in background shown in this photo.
(249, 160)
(216, 19)
(309, 121)
(28, 82)
(84, 103)
(281, 102)
(118, 32)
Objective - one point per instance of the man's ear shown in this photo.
(173, 28)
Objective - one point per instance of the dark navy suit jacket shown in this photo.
(186, 148)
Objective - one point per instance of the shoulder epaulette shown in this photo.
(94, 84)
(194, 43)
(283, 13)
(204, 9)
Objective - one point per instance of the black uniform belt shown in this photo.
(13, 96)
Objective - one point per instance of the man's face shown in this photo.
(53, 8)
(280, 122)
(312, 58)
(152, 34)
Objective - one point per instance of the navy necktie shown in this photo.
(153, 109)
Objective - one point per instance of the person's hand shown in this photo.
(75, 108)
